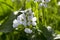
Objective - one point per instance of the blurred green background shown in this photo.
(49, 16)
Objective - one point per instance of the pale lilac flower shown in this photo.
(42, 4)
(34, 19)
(24, 23)
(30, 18)
(38, 0)
(26, 18)
(22, 19)
(15, 23)
(47, 1)
(30, 14)
(34, 23)
(27, 30)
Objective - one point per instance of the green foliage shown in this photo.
(49, 16)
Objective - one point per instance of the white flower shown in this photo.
(37, 0)
(22, 19)
(15, 23)
(24, 23)
(22, 11)
(57, 37)
(47, 1)
(16, 12)
(27, 30)
(25, 19)
(34, 23)
(49, 28)
(58, 3)
(30, 15)
(54, 34)
(30, 18)
(34, 19)
(42, 4)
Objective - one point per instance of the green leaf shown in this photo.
(46, 33)
(7, 25)
(6, 4)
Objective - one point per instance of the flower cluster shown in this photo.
(26, 19)
(42, 2)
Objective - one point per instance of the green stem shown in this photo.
(7, 37)
(0, 38)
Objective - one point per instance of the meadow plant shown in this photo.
(29, 19)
